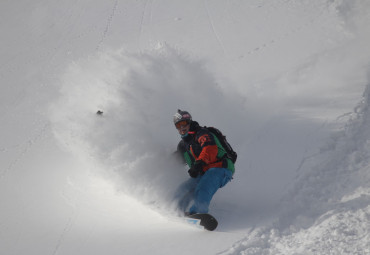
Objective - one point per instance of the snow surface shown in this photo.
(288, 82)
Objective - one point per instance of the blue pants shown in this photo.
(200, 190)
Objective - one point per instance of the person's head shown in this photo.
(182, 121)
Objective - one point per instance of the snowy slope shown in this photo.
(287, 81)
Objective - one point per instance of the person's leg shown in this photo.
(185, 194)
(209, 183)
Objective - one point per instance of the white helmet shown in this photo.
(180, 116)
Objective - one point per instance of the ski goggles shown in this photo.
(181, 124)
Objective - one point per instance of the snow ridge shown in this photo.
(328, 209)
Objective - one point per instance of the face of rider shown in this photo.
(183, 127)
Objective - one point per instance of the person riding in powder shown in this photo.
(209, 166)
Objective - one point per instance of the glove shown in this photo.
(196, 169)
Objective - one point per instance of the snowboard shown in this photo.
(204, 219)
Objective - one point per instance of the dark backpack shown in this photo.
(231, 154)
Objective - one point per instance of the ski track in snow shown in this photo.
(23, 149)
(212, 24)
(291, 32)
(142, 21)
(65, 232)
(109, 21)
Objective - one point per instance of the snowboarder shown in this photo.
(209, 166)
